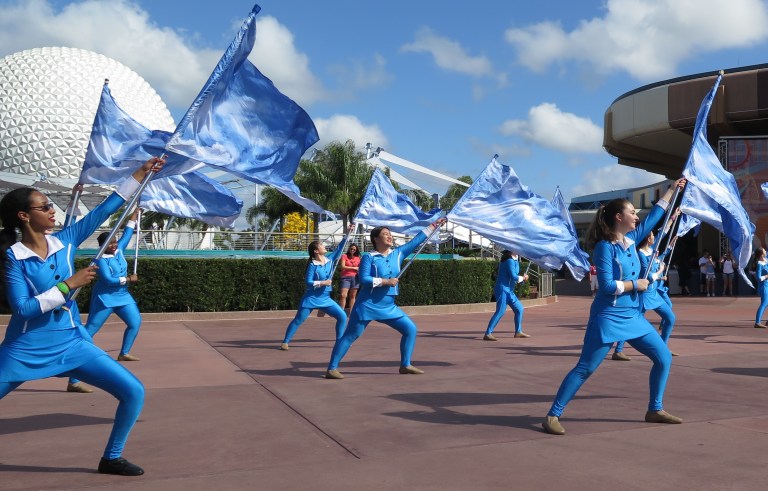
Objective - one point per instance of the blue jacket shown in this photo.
(375, 265)
(507, 277)
(321, 272)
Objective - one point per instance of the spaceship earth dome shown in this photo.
(48, 98)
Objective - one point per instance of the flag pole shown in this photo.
(669, 212)
(137, 243)
(338, 259)
(134, 199)
(70, 216)
(426, 241)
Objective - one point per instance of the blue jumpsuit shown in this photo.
(504, 291)
(616, 315)
(654, 298)
(762, 289)
(45, 340)
(110, 294)
(318, 297)
(376, 302)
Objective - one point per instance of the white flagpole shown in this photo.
(137, 242)
(418, 251)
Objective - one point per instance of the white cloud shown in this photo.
(167, 59)
(356, 75)
(275, 54)
(449, 54)
(613, 177)
(645, 38)
(550, 127)
(343, 127)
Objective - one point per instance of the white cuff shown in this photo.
(123, 280)
(130, 224)
(377, 282)
(51, 299)
(127, 188)
(619, 287)
(520, 279)
(663, 203)
(316, 284)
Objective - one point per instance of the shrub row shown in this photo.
(221, 285)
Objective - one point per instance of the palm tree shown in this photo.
(273, 205)
(336, 178)
(454, 192)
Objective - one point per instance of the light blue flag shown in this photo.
(119, 145)
(578, 264)
(501, 209)
(242, 123)
(192, 195)
(711, 194)
(764, 188)
(383, 206)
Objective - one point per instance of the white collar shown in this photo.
(23, 252)
(624, 243)
(319, 263)
(377, 253)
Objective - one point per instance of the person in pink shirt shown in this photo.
(350, 281)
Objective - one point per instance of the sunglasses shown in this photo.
(45, 207)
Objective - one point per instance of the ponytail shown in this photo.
(604, 222)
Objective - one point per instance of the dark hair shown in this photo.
(357, 250)
(646, 239)
(375, 234)
(102, 238)
(505, 254)
(315, 244)
(759, 254)
(605, 221)
(10, 206)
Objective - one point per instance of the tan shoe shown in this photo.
(333, 374)
(489, 337)
(78, 387)
(759, 326)
(128, 357)
(284, 347)
(410, 369)
(552, 426)
(662, 417)
(674, 354)
(521, 334)
(619, 356)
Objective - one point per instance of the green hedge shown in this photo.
(220, 285)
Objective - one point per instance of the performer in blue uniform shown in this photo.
(110, 294)
(44, 337)
(376, 299)
(761, 273)
(652, 298)
(504, 291)
(616, 313)
(318, 293)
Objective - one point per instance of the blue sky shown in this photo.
(444, 84)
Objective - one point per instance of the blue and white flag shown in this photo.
(501, 209)
(764, 188)
(711, 194)
(578, 264)
(242, 123)
(383, 206)
(192, 195)
(119, 145)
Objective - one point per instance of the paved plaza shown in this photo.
(226, 410)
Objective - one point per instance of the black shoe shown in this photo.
(119, 467)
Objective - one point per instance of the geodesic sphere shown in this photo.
(48, 98)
